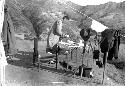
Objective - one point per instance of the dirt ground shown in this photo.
(20, 71)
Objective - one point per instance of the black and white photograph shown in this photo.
(62, 43)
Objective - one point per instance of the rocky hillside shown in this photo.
(37, 15)
(110, 14)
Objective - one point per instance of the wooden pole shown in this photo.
(35, 56)
(71, 53)
(104, 63)
(82, 58)
(38, 65)
(57, 52)
(67, 61)
(56, 59)
(82, 66)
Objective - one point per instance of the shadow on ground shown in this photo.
(24, 59)
(120, 65)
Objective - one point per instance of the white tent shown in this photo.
(3, 61)
(98, 27)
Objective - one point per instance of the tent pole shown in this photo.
(82, 58)
(56, 59)
(35, 56)
(104, 58)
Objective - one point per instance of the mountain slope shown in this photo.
(110, 14)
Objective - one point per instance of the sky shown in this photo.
(93, 2)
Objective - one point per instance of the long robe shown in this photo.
(107, 40)
(110, 43)
(113, 52)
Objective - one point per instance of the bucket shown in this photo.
(86, 72)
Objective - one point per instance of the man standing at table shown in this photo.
(55, 34)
